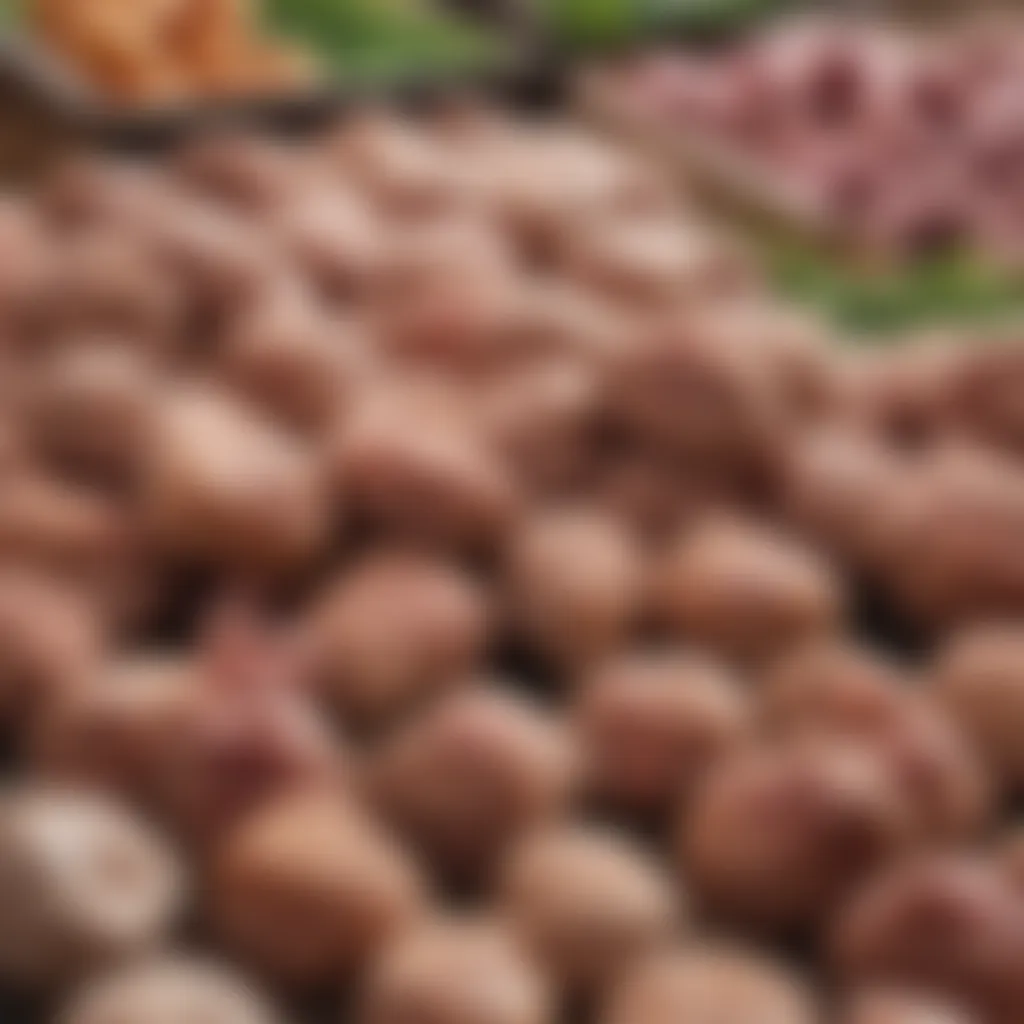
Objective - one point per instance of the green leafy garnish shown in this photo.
(954, 290)
(381, 39)
(608, 23)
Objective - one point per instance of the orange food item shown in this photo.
(167, 51)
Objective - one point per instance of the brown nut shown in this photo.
(293, 363)
(979, 394)
(90, 412)
(51, 644)
(842, 490)
(795, 352)
(71, 532)
(779, 837)
(575, 588)
(221, 487)
(246, 735)
(898, 394)
(744, 590)
(945, 924)
(25, 256)
(439, 483)
(677, 389)
(90, 192)
(113, 733)
(979, 678)
(1009, 856)
(110, 283)
(651, 263)
(951, 554)
(462, 971)
(253, 174)
(401, 168)
(931, 763)
(472, 775)
(169, 991)
(835, 685)
(589, 904)
(398, 630)
(308, 890)
(82, 883)
(888, 1006)
(541, 417)
(655, 495)
(651, 725)
(224, 261)
(446, 296)
(708, 984)
(335, 241)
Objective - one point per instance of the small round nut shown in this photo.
(221, 487)
(399, 629)
(169, 991)
(652, 724)
(473, 774)
(942, 923)
(745, 591)
(439, 483)
(82, 883)
(575, 582)
(979, 678)
(588, 903)
(309, 890)
(779, 837)
(704, 985)
(893, 1006)
(832, 684)
(462, 972)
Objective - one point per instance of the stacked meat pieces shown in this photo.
(905, 145)
(438, 581)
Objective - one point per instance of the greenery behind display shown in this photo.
(368, 38)
(953, 290)
(385, 38)
(608, 23)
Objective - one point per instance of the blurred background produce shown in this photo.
(450, 570)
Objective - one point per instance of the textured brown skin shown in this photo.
(588, 903)
(308, 890)
(442, 486)
(246, 735)
(833, 689)
(167, 990)
(298, 366)
(897, 1007)
(472, 775)
(675, 388)
(461, 971)
(223, 488)
(52, 643)
(396, 631)
(114, 898)
(90, 411)
(978, 399)
(114, 732)
(778, 838)
(705, 984)
(651, 725)
(832, 683)
(745, 591)
(841, 489)
(947, 924)
(979, 680)
(574, 588)
(951, 557)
